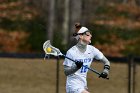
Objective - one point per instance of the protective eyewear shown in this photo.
(87, 33)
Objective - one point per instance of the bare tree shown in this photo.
(66, 22)
(51, 20)
(75, 16)
(72, 14)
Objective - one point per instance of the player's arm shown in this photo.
(99, 56)
(106, 69)
(69, 66)
(105, 61)
(68, 70)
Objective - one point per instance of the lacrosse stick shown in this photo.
(50, 50)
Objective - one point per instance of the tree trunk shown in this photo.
(51, 20)
(75, 16)
(66, 23)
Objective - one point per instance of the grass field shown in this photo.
(39, 76)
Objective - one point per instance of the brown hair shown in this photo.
(77, 27)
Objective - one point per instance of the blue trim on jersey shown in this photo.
(86, 60)
(84, 68)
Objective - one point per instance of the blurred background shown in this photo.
(26, 24)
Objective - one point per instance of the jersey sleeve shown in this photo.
(68, 62)
(97, 54)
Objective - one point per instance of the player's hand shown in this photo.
(105, 72)
(79, 64)
(103, 75)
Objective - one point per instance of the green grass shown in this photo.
(39, 76)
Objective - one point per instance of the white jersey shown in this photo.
(78, 79)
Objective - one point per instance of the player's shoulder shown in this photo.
(92, 48)
(72, 49)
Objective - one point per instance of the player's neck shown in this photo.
(81, 46)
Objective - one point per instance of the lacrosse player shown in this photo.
(83, 54)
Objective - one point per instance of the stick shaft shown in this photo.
(91, 69)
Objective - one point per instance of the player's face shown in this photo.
(87, 37)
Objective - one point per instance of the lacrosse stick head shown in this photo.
(50, 50)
